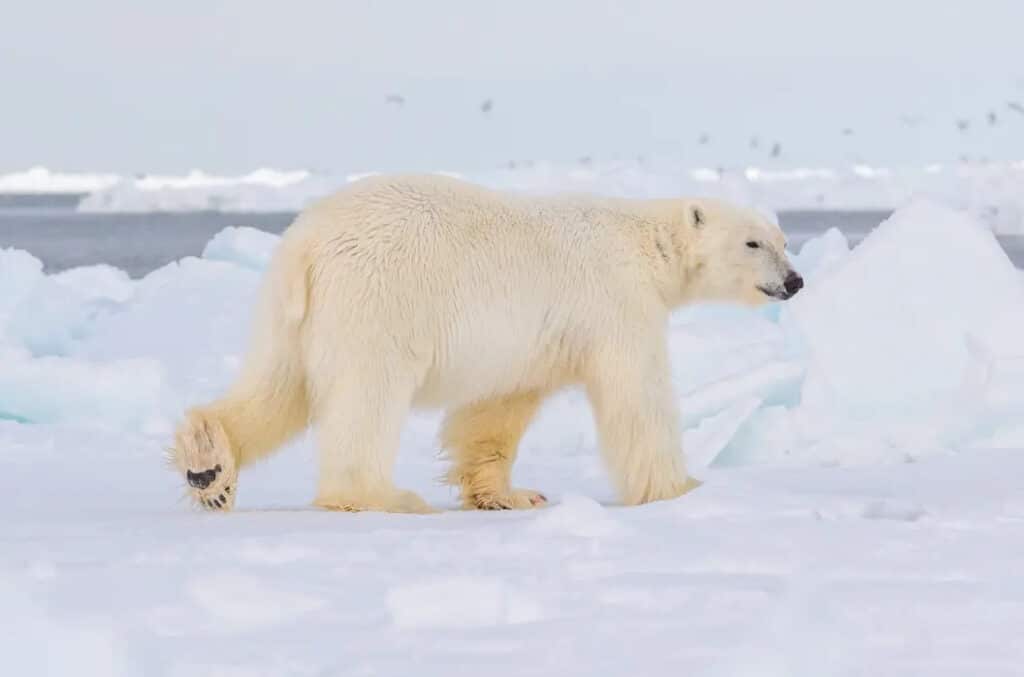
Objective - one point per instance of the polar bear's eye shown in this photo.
(698, 216)
(753, 245)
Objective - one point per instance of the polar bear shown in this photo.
(429, 292)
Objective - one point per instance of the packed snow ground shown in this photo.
(862, 512)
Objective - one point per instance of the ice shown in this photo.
(889, 329)
(264, 190)
(705, 441)
(20, 272)
(910, 344)
(244, 246)
(97, 282)
(811, 548)
(194, 314)
(120, 394)
(43, 180)
(988, 191)
(48, 314)
(769, 383)
(821, 254)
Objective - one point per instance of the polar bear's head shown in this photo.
(738, 255)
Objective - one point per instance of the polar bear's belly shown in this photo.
(493, 356)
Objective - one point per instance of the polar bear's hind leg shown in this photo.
(481, 440)
(360, 412)
(202, 452)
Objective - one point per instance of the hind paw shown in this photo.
(514, 499)
(203, 455)
(393, 501)
(213, 488)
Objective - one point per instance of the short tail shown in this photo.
(268, 404)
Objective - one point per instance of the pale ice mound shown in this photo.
(246, 247)
(264, 190)
(43, 180)
(890, 328)
(905, 343)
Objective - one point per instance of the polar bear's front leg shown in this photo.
(638, 423)
(481, 440)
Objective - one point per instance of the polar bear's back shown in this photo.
(482, 288)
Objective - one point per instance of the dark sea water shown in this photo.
(139, 243)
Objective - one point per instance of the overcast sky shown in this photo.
(229, 86)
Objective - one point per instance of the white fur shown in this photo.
(425, 291)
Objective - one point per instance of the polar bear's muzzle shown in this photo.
(787, 290)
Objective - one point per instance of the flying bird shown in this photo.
(963, 124)
(777, 149)
(703, 139)
(486, 106)
(847, 131)
(396, 99)
(993, 119)
(1015, 106)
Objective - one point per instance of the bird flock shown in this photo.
(774, 149)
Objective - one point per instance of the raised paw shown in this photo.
(212, 488)
(203, 454)
(515, 499)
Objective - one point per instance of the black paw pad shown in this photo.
(201, 480)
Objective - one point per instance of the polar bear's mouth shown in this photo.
(776, 293)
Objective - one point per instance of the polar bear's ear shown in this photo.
(696, 216)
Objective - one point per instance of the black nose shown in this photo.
(794, 283)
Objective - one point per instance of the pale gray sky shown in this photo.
(230, 85)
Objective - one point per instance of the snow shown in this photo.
(861, 509)
(43, 180)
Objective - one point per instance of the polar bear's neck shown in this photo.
(663, 240)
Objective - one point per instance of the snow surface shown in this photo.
(862, 512)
